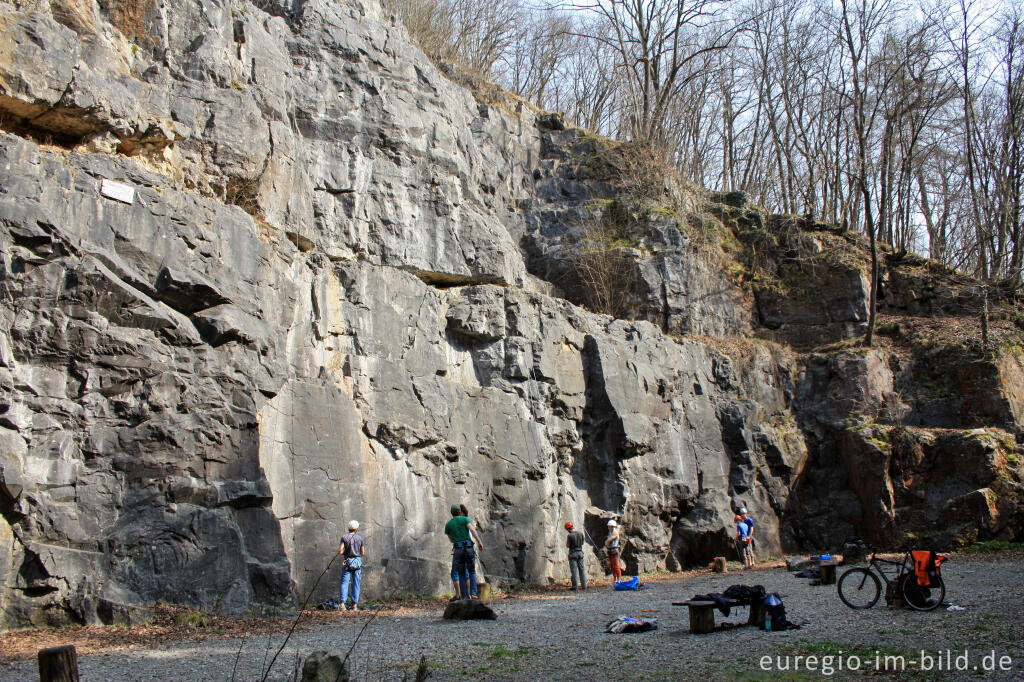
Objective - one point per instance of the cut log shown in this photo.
(702, 617)
(827, 572)
(757, 611)
(58, 664)
(718, 564)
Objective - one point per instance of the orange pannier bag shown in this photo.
(926, 566)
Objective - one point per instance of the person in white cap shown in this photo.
(351, 549)
(613, 545)
(744, 539)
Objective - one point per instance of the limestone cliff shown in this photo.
(265, 269)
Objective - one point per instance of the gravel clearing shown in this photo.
(559, 635)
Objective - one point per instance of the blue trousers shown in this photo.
(464, 563)
(350, 579)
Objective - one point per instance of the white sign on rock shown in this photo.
(118, 191)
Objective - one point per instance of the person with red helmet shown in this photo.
(574, 541)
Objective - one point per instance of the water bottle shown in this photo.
(767, 621)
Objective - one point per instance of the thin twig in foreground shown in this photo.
(299, 617)
(356, 640)
(241, 645)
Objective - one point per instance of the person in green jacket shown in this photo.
(459, 529)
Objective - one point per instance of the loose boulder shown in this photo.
(469, 609)
(325, 666)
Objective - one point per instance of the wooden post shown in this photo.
(702, 617)
(827, 572)
(484, 590)
(718, 564)
(757, 611)
(58, 664)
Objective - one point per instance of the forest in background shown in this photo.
(900, 121)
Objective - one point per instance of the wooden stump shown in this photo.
(58, 664)
(757, 611)
(484, 590)
(718, 564)
(702, 617)
(827, 572)
(894, 598)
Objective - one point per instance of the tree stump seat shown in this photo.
(702, 613)
(702, 617)
(58, 664)
(827, 572)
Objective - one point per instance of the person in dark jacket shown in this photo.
(574, 541)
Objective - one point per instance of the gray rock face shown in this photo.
(251, 107)
(182, 429)
(317, 300)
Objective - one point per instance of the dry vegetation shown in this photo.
(128, 17)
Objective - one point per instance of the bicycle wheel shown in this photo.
(921, 598)
(859, 588)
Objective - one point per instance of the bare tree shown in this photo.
(657, 43)
(858, 27)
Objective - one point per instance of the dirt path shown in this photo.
(559, 635)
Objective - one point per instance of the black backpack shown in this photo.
(775, 611)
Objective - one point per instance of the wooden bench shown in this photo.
(702, 613)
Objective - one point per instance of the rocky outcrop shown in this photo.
(597, 219)
(201, 433)
(266, 270)
(905, 447)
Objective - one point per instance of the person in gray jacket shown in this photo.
(574, 541)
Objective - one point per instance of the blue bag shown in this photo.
(630, 584)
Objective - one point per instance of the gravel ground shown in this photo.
(560, 636)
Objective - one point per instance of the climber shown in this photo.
(614, 550)
(458, 529)
(455, 569)
(750, 527)
(351, 550)
(743, 541)
(574, 541)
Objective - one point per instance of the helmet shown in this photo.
(456, 510)
(568, 525)
(743, 510)
(612, 524)
(737, 518)
(353, 525)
